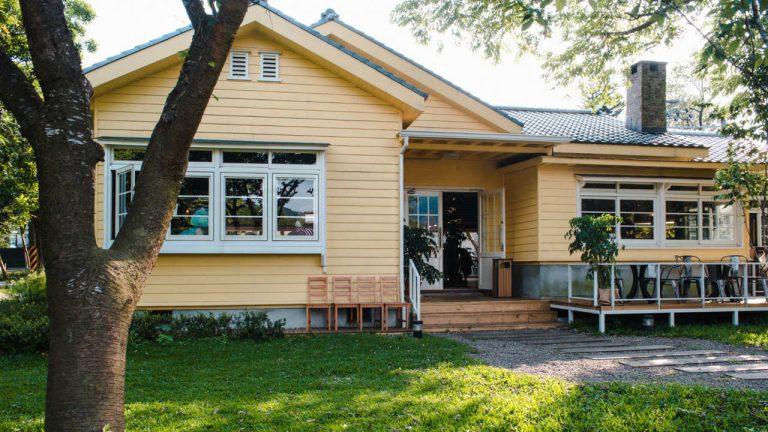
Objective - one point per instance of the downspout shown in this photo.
(402, 218)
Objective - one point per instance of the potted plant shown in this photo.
(593, 237)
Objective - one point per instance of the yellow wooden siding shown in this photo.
(521, 204)
(448, 173)
(441, 115)
(557, 195)
(309, 105)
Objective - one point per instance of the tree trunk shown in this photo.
(3, 269)
(89, 332)
(25, 247)
(92, 293)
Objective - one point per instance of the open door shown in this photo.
(425, 211)
(491, 234)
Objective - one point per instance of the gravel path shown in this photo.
(496, 349)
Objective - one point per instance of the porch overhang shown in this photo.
(475, 145)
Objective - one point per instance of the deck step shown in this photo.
(488, 318)
(438, 328)
(445, 306)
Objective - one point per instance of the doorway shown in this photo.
(467, 227)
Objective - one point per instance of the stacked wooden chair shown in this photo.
(390, 296)
(318, 297)
(355, 296)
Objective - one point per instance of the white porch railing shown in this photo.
(414, 285)
(722, 281)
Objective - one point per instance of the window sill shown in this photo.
(240, 247)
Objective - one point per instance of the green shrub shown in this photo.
(30, 288)
(165, 328)
(24, 318)
(257, 326)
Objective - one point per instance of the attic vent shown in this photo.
(270, 66)
(238, 65)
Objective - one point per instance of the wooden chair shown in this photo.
(318, 298)
(344, 297)
(390, 296)
(369, 297)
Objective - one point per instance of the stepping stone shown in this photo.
(589, 345)
(561, 341)
(618, 349)
(694, 360)
(750, 376)
(724, 368)
(656, 354)
(525, 338)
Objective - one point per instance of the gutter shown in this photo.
(478, 136)
(401, 195)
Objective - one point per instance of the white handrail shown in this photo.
(414, 283)
(750, 274)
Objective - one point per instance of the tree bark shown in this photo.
(3, 269)
(92, 293)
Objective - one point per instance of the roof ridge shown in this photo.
(545, 110)
(331, 15)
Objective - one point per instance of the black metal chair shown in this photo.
(691, 272)
(670, 275)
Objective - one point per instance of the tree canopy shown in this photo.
(594, 41)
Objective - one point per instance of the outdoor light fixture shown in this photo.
(647, 322)
(417, 325)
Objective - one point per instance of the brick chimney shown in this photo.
(647, 97)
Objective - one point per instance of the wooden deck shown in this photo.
(445, 312)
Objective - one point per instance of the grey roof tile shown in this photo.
(583, 126)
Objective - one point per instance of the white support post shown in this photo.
(744, 284)
(570, 316)
(595, 301)
(735, 318)
(611, 285)
(671, 319)
(570, 284)
(601, 323)
(658, 285)
(702, 286)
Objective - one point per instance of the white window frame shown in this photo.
(247, 55)
(223, 203)
(131, 172)
(212, 213)
(217, 242)
(275, 216)
(276, 56)
(660, 196)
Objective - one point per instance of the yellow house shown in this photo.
(321, 143)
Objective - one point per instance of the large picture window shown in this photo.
(238, 200)
(662, 213)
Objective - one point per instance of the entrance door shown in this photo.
(424, 211)
(492, 234)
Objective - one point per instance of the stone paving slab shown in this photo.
(680, 361)
(749, 376)
(724, 368)
(656, 354)
(618, 349)
(588, 345)
(561, 341)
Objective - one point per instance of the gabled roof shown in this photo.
(163, 51)
(331, 25)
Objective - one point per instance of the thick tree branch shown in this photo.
(54, 54)
(18, 95)
(196, 13)
(165, 162)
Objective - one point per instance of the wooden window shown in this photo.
(192, 214)
(244, 207)
(295, 207)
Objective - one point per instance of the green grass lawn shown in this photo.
(368, 382)
(751, 334)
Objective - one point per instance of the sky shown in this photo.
(121, 25)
